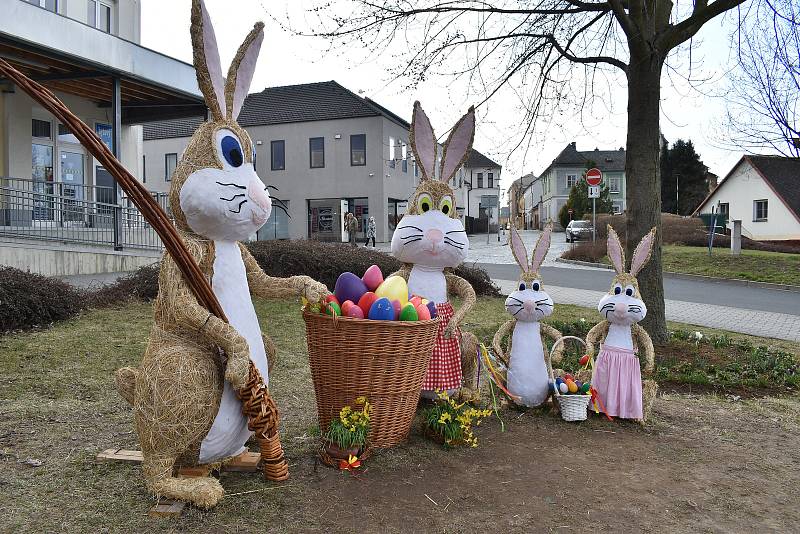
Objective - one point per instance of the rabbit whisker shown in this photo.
(409, 226)
(284, 210)
(454, 231)
(544, 304)
(271, 187)
(240, 207)
(515, 298)
(514, 304)
(453, 240)
(412, 235)
(454, 246)
(412, 241)
(237, 186)
(230, 199)
(519, 310)
(277, 201)
(538, 309)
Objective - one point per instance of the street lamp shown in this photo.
(677, 192)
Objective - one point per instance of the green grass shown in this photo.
(753, 265)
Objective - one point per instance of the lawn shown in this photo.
(690, 468)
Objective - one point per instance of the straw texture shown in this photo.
(384, 361)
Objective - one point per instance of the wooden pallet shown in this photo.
(246, 462)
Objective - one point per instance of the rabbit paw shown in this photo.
(314, 291)
(450, 331)
(237, 370)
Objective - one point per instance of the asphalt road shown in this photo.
(719, 293)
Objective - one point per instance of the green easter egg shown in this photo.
(333, 309)
(409, 313)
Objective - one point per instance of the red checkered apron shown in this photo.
(444, 370)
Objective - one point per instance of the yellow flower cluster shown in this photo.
(464, 417)
(352, 419)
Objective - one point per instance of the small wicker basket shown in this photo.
(572, 407)
(384, 361)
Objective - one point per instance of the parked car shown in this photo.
(578, 230)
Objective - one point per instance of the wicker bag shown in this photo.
(385, 361)
(572, 407)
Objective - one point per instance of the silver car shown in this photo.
(578, 230)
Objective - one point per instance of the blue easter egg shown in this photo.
(552, 385)
(559, 381)
(381, 310)
(432, 308)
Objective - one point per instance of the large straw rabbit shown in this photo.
(617, 374)
(184, 392)
(430, 241)
(528, 367)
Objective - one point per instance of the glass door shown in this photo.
(72, 186)
(42, 175)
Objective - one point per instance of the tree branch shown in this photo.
(675, 34)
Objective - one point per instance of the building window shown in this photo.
(405, 158)
(316, 149)
(170, 162)
(724, 208)
(572, 179)
(144, 169)
(490, 180)
(416, 169)
(277, 150)
(99, 16)
(391, 153)
(358, 150)
(613, 184)
(617, 209)
(760, 210)
(41, 129)
(480, 179)
(49, 5)
(65, 135)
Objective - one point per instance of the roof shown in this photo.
(782, 174)
(476, 159)
(524, 182)
(307, 102)
(605, 160)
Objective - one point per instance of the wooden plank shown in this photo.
(247, 462)
(120, 455)
(167, 508)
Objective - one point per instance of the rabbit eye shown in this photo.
(446, 205)
(232, 151)
(522, 286)
(617, 290)
(536, 286)
(424, 203)
(629, 291)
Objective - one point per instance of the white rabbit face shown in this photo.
(432, 239)
(530, 303)
(621, 306)
(226, 204)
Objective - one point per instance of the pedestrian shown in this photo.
(351, 224)
(370, 231)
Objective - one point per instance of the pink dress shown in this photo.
(618, 380)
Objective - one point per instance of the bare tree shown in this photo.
(763, 104)
(533, 45)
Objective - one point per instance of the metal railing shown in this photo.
(73, 213)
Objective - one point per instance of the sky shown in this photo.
(689, 111)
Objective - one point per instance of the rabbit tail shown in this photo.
(126, 383)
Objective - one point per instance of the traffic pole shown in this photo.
(594, 230)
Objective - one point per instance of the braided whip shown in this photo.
(257, 404)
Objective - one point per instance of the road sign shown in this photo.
(488, 201)
(594, 191)
(594, 177)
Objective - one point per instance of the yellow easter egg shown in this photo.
(393, 288)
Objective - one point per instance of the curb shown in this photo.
(696, 277)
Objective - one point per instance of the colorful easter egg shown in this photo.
(568, 376)
(577, 382)
(333, 298)
(559, 380)
(423, 313)
(373, 277)
(355, 311)
(584, 359)
(346, 306)
(563, 387)
(572, 387)
(552, 385)
(397, 307)
(333, 308)
(365, 302)
(349, 287)
(585, 388)
(415, 300)
(409, 313)
(432, 308)
(381, 310)
(393, 288)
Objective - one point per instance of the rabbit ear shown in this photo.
(519, 250)
(643, 252)
(615, 251)
(458, 145)
(542, 246)
(206, 60)
(423, 142)
(240, 74)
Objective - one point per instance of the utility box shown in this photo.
(736, 238)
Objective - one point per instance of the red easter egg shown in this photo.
(355, 311)
(584, 359)
(568, 377)
(423, 312)
(365, 302)
(332, 297)
(346, 305)
(415, 300)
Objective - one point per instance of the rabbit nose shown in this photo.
(434, 235)
(257, 193)
(620, 309)
(529, 306)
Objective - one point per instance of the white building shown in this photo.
(764, 193)
(58, 208)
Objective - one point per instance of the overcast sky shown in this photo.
(288, 59)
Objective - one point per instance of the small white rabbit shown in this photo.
(617, 374)
(528, 374)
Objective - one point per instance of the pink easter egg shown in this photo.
(397, 307)
(423, 312)
(355, 311)
(415, 300)
(373, 277)
(346, 305)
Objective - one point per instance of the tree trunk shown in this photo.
(642, 172)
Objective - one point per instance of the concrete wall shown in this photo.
(125, 16)
(69, 260)
(740, 190)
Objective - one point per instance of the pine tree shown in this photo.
(683, 179)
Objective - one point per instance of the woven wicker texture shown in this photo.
(382, 360)
(574, 407)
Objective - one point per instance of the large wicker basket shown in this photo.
(382, 360)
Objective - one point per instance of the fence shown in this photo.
(54, 211)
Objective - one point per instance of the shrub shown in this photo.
(587, 251)
(141, 284)
(326, 261)
(28, 300)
